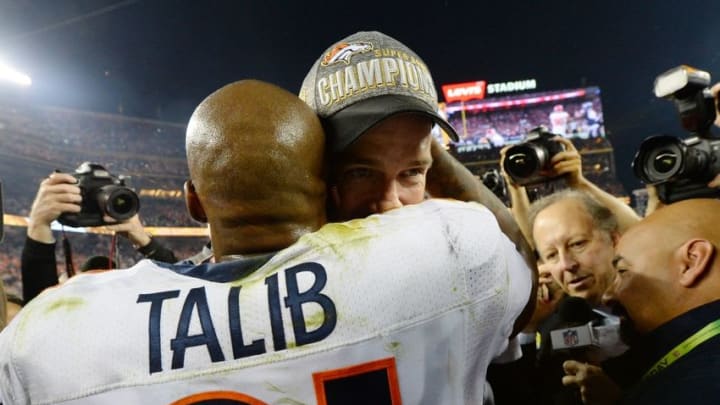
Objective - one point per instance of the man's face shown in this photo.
(642, 282)
(384, 169)
(578, 256)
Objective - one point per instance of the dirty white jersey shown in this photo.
(405, 307)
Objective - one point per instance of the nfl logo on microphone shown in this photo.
(570, 337)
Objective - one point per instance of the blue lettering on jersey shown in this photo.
(196, 303)
(295, 299)
(156, 300)
(276, 323)
(238, 345)
(196, 298)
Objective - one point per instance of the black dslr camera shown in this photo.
(681, 168)
(493, 180)
(102, 194)
(529, 162)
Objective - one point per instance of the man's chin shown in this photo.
(585, 294)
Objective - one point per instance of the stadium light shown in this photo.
(9, 74)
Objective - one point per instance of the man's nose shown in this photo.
(568, 262)
(390, 198)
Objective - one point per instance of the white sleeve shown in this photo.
(11, 389)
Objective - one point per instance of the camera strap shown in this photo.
(710, 330)
(114, 252)
(67, 250)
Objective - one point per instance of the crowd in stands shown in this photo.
(39, 140)
(474, 126)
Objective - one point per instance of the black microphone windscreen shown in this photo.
(575, 310)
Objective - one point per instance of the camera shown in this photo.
(102, 194)
(529, 162)
(493, 180)
(681, 168)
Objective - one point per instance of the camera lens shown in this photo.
(665, 161)
(118, 202)
(522, 162)
(121, 204)
(490, 182)
(659, 159)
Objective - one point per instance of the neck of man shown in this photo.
(246, 240)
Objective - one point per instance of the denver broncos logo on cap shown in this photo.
(343, 51)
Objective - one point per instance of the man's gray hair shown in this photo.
(603, 219)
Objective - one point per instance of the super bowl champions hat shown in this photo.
(365, 78)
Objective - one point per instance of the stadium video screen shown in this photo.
(492, 123)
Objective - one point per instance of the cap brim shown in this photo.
(345, 126)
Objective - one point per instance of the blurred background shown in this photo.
(116, 81)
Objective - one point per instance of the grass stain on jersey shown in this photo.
(314, 321)
(68, 304)
(394, 347)
(348, 231)
(288, 401)
(273, 388)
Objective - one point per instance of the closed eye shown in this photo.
(357, 173)
(578, 244)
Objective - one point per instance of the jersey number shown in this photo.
(375, 382)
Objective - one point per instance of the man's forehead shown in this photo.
(632, 237)
(568, 213)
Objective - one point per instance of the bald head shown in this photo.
(667, 264)
(255, 154)
(686, 219)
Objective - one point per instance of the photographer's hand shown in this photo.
(568, 162)
(57, 194)
(596, 387)
(653, 202)
(132, 229)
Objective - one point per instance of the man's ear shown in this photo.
(194, 207)
(696, 256)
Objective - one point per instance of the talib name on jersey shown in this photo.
(196, 302)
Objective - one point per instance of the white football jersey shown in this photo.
(405, 307)
(559, 121)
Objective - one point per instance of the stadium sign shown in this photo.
(477, 90)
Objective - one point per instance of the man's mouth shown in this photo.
(579, 282)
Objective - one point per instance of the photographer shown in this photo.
(579, 225)
(566, 163)
(654, 202)
(58, 194)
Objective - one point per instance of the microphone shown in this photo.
(575, 326)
